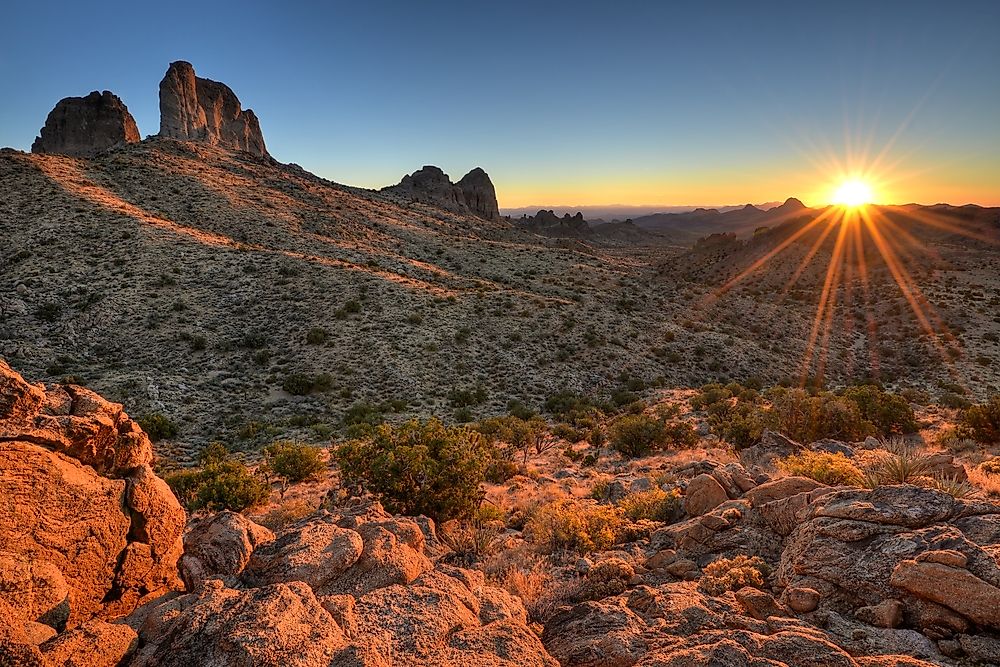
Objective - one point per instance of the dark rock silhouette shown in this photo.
(479, 193)
(84, 126)
(473, 194)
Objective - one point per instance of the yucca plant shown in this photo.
(901, 463)
(953, 486)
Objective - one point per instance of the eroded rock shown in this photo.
(84, 126)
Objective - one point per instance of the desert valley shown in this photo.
(251, 416)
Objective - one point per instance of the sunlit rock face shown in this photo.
(84, 126)
(196, 109)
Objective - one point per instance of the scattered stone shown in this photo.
(802, 600)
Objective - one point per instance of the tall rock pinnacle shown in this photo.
(196, 109)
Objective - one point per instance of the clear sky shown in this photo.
(561, 102)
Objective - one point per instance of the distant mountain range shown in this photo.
(613, 212)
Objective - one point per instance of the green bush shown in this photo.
(316, 336)
(636, 435)
(982, 422)
(419, 468)
(299, 384)
(295, 461)
(824, 467)
(571, 407)
(888, 413)
(158, 426)
(221, 484)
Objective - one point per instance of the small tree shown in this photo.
(419, 468)
(221, 483)
(636, 435)
(294, 461)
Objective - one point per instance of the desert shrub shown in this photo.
(419, 468)
(525, 574)
(363, 413)
(991, 466)
(981, 422)
(570, 525)
(730, 574)
(295, 461)
(808, 418)
(986, 476)
(285, 514)
(516, 408)
(466, 397)
(316, 336)
(158, 426)
(637, 435)
(525, 436)
(652, 505)
(900, 463)
(300, 384)
(824, 467)
(888, 413)
(221, 484)
(568, 433)
(472, 539)
(740, 424)
(571, 407)
(679, 434)
(952, 485)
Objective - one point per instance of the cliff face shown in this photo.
(196, 109)
(83, 126)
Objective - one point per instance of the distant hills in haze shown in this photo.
(612, 212)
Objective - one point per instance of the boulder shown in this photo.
(94, 644)
(950, 586)
(280, 624)
(86, 529)
(84, 126)
(219, 545)
(196, 109)
(703, 494)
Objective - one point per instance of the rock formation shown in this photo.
(479, 194)
(474, 194)
(196, 109)
(83, 126)
(353, 586)
(86, 528)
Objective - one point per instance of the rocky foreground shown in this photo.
(96, 571)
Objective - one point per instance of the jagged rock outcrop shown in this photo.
(86, 528)
(474, 194)
(196, 109)
(351, 586)
(479, 194)
(84, 126)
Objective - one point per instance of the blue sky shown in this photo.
(562, 103)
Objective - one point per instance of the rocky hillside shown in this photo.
(750, 565)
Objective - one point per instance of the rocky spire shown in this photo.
(479, 193)
(83, 126)
(196, 109)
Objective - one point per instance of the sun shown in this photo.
(853, 193)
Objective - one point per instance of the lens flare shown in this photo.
(853, 193)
